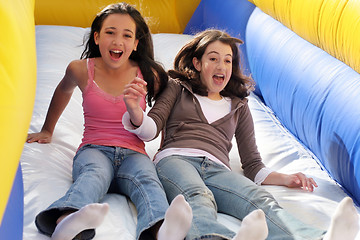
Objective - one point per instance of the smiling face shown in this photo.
(215, 67)
(116, 39)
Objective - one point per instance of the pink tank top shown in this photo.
(103, 117)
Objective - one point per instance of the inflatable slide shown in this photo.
(303, 56)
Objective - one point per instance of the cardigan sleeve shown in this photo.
(146, 131)
(245, 137)
(164, 104)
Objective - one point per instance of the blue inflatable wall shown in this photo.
(315, 95)
(12, 221)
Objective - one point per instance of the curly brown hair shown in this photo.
(239, 85)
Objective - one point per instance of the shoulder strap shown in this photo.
(90, 68)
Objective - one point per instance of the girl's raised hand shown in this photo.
(133, 93)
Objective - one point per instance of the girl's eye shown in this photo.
(228, 61)
(128, 36)
(109, 32)
(212, 59)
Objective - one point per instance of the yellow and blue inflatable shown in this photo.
(17, 93)
(303, 55)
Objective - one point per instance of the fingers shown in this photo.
(312, 181)
(135, 88)
(310, 184)
(138, 83)
(307, 185)
(43, 140)
(305, 182)
(138, 80)
(37, 137)
(30, 138)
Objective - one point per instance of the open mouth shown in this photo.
(116, 54)
(218, 78)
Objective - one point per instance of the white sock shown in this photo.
(253, 227)
(344, 223)
(88, 217)
(177, 220)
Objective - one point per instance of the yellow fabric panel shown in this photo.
(349, 34)
(17, 87)
(305, 21)
(184, 10)
(333, 25)
(163, 16)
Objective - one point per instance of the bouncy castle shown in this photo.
(304, 56)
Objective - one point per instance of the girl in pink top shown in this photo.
(119, 49)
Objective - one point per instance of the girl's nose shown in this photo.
(117, 41)
(221, 65)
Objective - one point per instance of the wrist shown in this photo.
(275, 178)
(134, 125)
(46, 130)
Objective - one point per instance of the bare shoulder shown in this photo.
(76, 71)
(76, 68)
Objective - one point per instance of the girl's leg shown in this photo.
(236, 195)
(136, 178)
(92, 174)
(180, 176)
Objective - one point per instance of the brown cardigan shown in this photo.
(186, 127)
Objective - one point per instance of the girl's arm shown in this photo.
(59, 101)
(251, 159)
(148, 127)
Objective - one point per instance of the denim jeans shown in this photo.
(210, 188)
(101, 169)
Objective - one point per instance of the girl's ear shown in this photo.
(96, 38)
(136, 44)
(196, 63)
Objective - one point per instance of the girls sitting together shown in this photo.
(204, 93)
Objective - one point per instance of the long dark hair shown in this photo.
(153, 73)
(239, 85)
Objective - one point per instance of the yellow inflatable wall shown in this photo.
(18, 60)
(17, 87)
(331, 25)
(172, 14)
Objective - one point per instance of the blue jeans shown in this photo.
(210, 188)
(101, 169)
